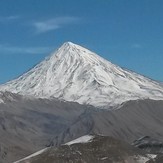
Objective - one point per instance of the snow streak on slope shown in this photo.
(74, 73)
(83, 139)
(32, 155)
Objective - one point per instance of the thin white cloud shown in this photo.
(6, 19)
(7, 49)
(53, 24)
(136, 46)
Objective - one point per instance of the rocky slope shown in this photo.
(28, 125)
(88, 149)
(149, 144)
(130, 121)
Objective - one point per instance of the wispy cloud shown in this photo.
(7, 49)
(53, 24)
(6, 19)
(136, 46)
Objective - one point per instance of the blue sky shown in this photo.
(126, 32)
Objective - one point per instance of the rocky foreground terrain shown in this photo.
(28, 125)
(88, 149)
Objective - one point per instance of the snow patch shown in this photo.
(143, 159)
(83, 139)
(32, 155)
(151, 156)
(1, 100)
(104, 158)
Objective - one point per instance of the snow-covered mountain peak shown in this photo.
(74, 73)
(70, 44)
(69, 48)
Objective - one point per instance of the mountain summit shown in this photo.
(74, 73)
